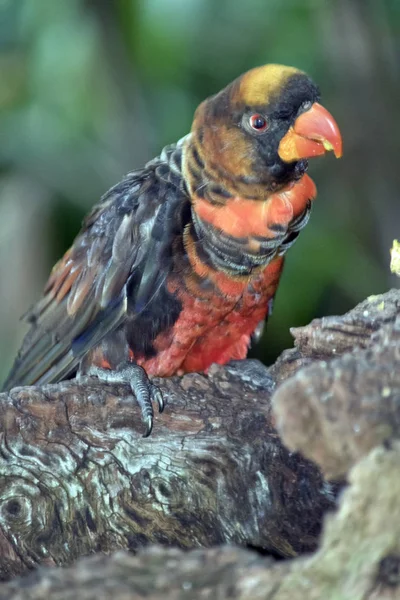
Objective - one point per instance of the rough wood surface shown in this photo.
(215, 472)
(337, 409)
(359, 559)
(77, 477)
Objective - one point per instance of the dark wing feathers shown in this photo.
(127, 250)
(85, 296)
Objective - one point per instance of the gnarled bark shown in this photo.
(359, 559)
(78, 477)
(338, 409)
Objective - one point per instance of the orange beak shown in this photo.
(313, 133)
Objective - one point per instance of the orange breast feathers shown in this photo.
(241, 218)
(213, 329)
(216, 327)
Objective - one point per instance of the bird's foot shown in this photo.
(144, 391)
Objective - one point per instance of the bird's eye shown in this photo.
(258, 122)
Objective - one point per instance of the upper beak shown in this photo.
(314, 132)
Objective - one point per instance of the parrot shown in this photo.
(178, 264)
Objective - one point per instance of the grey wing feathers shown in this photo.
(85, 296)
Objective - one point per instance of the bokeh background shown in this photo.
(90, 89)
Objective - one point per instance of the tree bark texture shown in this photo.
(359, 558)
(77, 477)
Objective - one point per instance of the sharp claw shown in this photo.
(149, 426)
(158, 397)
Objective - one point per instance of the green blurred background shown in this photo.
(90, 89)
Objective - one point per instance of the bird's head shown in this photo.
(256, 135)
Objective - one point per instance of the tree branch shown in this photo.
(78, 478)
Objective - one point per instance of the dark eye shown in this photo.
(258, 122)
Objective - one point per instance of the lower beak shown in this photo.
(314, 132)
